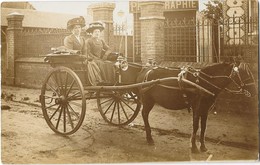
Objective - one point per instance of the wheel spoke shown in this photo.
(54, 81)
(64, 119)
(71, 97)
(75, 103)
(113, 112)
(106, 101)
(60, 79)
(127, 105)
(70, 87)
(57, 80)
(124, 111)
(50, 106)
(52, 89)
(73, 111)
(71, 123)
(57, 124)
(109, 107)
(66, 81)
(55, 112)
(118, 111)
(50, 97)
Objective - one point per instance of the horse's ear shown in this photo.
(227, 60)
(238, 60)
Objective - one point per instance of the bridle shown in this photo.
(240, 85)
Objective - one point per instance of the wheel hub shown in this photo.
(61, 100)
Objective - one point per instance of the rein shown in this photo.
(234, 71)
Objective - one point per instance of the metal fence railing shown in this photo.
(206, 40)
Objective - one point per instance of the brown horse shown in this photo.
(178, 95)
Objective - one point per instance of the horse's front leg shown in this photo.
(147, 107)
(194, 148)
(203, 124)
(196, 117)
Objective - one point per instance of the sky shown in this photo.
(80, 8)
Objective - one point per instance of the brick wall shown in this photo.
(137, 37)
(153, 41)
(34, 42)
(30, 69)
(31, 72)
(152, 31)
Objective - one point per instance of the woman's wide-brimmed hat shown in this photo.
(95, 25)
(76, 21)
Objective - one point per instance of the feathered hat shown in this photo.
(76, 21)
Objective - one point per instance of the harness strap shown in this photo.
(145, 89)
(181, 75)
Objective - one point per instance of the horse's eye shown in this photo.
(236, 69)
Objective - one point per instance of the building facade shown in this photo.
(171, 24)
(241, 28)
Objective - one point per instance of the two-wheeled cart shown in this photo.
(66, 89)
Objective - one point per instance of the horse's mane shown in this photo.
(216, 68)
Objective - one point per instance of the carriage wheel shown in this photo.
(118, 107)
(63, 101)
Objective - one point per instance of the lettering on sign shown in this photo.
(134, 6)
(173, 5)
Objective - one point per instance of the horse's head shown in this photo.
(243, 78)
(218, 76)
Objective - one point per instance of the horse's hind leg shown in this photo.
(203, 124)
(147, 107)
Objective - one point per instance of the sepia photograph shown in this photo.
(131, 81)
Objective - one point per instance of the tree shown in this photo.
(214, 10)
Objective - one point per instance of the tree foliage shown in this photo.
(214, 10)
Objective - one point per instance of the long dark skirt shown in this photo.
(104, 73)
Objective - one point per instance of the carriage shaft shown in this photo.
(137, 85)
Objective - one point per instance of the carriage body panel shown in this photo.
(76, 63)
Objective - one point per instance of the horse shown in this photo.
(178, 95)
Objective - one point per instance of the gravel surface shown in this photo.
(26, 138)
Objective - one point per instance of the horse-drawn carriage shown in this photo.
(66, 89)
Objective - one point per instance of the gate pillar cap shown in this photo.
(15, 15)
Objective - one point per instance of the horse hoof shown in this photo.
(203, 149)
(194, 150)
(150, 142)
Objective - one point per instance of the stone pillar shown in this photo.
(152, 30)
(104, 12)
(13, 31)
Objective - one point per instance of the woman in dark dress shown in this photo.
(97, 52)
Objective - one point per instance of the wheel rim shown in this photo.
(63, 101)
(118, 107)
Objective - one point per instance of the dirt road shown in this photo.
(26, 138)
